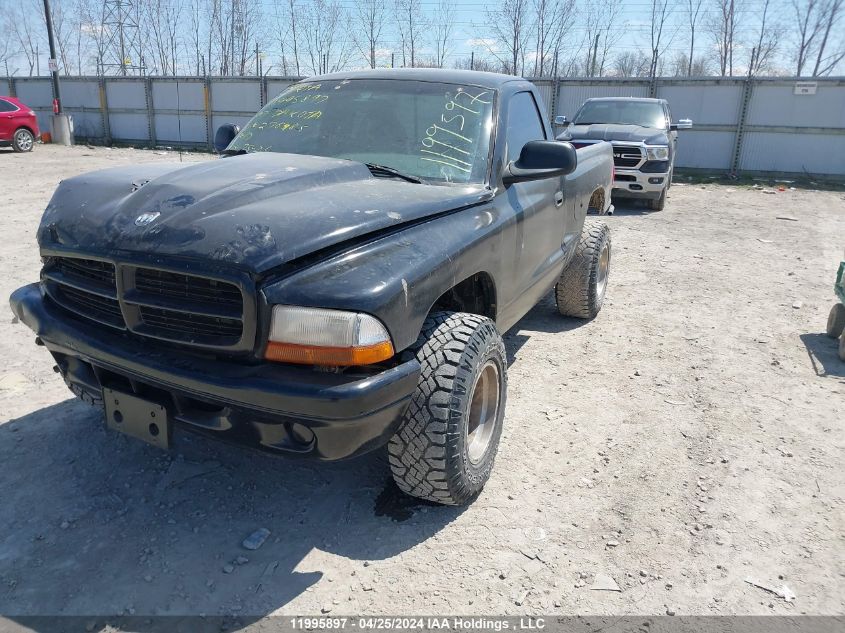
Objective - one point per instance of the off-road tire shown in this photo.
(842, 347)
(836, 320)
(23, 140)
(578, 292)
(428, 454)
(658, 204)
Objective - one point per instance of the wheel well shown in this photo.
(597, 200)
(475, 294)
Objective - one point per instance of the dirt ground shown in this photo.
(686, 440)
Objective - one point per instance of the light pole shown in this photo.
(60, 124)
(54, 69)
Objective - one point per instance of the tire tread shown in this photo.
(574, 291)
(425, 442)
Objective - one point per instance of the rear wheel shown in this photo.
(836, 320)
(581, 287)
(23, 140)
(842, 347)
(447, 440)
(659, 204)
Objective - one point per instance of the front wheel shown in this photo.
(659, 204)
(23, 140)
(444, 448)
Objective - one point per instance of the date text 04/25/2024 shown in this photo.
(419, 623)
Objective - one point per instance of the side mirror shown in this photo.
(561, 121)
(541, 159)
(225, 134)
(682, 124)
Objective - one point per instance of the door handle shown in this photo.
(558, 198)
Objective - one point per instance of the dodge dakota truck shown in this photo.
(644, 141)
(338, 282)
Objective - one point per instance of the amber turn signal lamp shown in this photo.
(317, 336)
(338, 356)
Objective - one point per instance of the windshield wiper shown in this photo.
(233, 152)
(383, 169)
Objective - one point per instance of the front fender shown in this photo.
(399, 277)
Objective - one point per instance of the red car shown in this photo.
(18, 125)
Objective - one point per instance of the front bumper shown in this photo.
(632, 183)
(278, 408)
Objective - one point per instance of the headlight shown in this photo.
(659, 152)
(314, 336)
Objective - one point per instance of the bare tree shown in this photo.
(830, 17)
(161, 20)
(479, 63)
(198, 34)
(660, 12)
(509, 25)
(91, 25)
(602, 27)
(553, 21)
(680, 66)
(723, 28)
(411, 25)
(632, 64)
(442, 27)
(288, 26)
(809, 24)
(26, 37)
(693, 18)
(322, 27)
(370, 18)
(7, 51)
(64, 26)
(766, 44)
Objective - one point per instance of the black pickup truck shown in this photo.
(338, 282)
(644, 142)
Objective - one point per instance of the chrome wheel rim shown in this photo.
(483, 412)
(604, 269)
(24, 140)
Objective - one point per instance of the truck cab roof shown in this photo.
(467, 77)
(635, 99)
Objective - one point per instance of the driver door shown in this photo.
(538, 206)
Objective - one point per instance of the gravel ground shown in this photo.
(688, 439)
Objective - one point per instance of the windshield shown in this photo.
(434, 131)
(622, 113)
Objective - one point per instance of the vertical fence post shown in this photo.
(747, 90)
(104, 110)
(555, 93)
(151, 121)
(209, 137)
(263, 97)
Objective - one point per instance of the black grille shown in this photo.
(188, 288)
(626, 155)
(90, 305)
(166, 305)
(90, 271)
(190, 324)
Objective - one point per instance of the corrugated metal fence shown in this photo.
(740, 125)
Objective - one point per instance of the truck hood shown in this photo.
(604, 132)
(255, 211)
